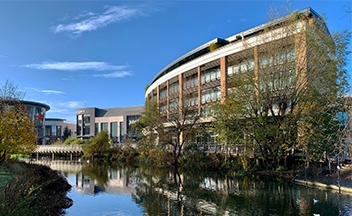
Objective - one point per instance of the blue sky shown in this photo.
(75, 54)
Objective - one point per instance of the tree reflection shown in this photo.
(97, 171)
(169, 192)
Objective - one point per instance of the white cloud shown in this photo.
(84, 14)
(46, 91)
(116, 74)
(57, 110)
(79, 66)
(75, 66)
(72, 104)
(2, 56)
(94, 21)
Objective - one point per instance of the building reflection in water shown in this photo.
(119, 182)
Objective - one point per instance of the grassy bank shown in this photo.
(28, 189)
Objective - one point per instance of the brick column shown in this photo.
(167, 100)
(223, 78)
(256, 69)
(180, 90)
(199, 90)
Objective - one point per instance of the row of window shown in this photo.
(211, 95)
(114, 129)
(53, 130)
(266, 60)
(210, 75)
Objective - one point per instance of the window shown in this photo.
(48, 130)
(59, 130)
(173, 87)
(86, 124)
(96, 128)
(79, 124)
(121, 131)
(53, 130)
(113, 129)
(104, 126)
(162, 94)
(210, 75)
(210, 95)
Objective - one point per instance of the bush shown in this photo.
(160, 157)
(98, 145)
(34, 190)
(74, 141)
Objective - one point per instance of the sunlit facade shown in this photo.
(54, 129)
(117, 121)
(203, 76)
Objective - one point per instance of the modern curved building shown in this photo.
(202, 76)
(36, 112)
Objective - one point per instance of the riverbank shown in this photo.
(329, 181)
(30, 189)
(340, 182)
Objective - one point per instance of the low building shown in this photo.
(117, 121)
(54, 129)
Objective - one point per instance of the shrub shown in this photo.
(34, 190)
(73, 141)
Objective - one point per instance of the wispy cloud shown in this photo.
(116, 74)
(3, 56)
(72, 104)
(46, 91)
(84, 14)
(75, 66)
(119, 70)
(95, 21)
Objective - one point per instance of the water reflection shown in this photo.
(169, 192)
(99, 177)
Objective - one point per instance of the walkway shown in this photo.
(59, 149)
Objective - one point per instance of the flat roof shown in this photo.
(33, 103)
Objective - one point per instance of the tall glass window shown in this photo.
(113, 129)
(96, 128)
(121, 131)
(59, 130)
(104, 126)
(79, 124)
(53, 130)
(86, 124)
(48, 130)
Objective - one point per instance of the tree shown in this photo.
(289, 94)
(17, 130)
(98, 145)
(66, 134)
(170, 129)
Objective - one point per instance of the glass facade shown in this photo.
(86, 124)
(96, 128)
(121, 131)
(113, 129)
(104, 126)
(79, 125)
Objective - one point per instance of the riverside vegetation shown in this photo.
(28, 189)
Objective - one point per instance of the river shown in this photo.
(100, 189)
